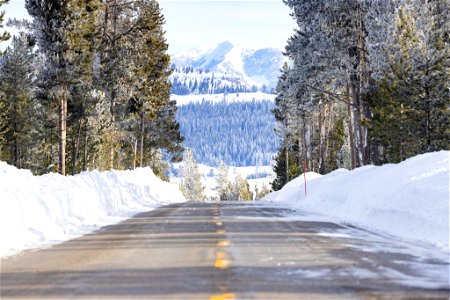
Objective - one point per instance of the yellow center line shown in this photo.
(223, 243)
(226, 296)
(220, 231)
(218, 223)
(222, 263)
(220, 255)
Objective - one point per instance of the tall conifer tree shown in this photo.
(3, 108)
(16, 84)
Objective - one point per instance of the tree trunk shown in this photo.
(321, 142)
(142, 133)
(351, 130)
(62, 130)
(286, 153)
(363, 78)
(305, 142)
(134, 153)
(113, 130)
(76, 148)
(85, 152)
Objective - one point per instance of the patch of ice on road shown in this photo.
(334, 234)
(426, 277)
(310, 273)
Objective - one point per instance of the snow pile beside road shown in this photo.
(40, 210)
(409, 200)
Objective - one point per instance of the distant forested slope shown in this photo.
(240, 134)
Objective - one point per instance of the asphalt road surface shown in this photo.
(226, 251)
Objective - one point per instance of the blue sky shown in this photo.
(193, 23)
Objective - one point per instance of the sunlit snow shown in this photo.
(409, 200)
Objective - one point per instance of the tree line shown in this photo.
(237, 133)
(368, 84)
(85, 86)
(187, 80)
(227, 190)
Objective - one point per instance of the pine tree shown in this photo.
(53, 24)
(223, 186)
(3, 107)
(286, 167)
(262, 192)
(336, 140)
(16, 84)
(4, 36)
(83, 39)
(163, 132)
(410, 103)
(152, 92)
(241, 189)
(191, 185)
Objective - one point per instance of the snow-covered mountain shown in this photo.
(225, 67)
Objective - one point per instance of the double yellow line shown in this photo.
(221, 261)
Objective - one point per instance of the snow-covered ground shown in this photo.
(408, 201)
(41, 210)
(229, 98)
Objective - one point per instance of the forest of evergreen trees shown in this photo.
(368, 84)
(237, 133)
(187, 80)
(93, 94)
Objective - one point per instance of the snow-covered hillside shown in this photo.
(235, 129)
(40, 210)
(409, 200)
(230, 65)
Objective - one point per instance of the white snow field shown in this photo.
(409, 200)
(36, 211)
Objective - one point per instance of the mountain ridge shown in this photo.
(226, 66)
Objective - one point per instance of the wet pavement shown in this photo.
(227, 250)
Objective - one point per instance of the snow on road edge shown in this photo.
(409, 200)
(41, 210)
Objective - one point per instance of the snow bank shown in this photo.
(40, 210)
(409, 200)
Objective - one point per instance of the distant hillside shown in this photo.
(225, 68)
(239, 133)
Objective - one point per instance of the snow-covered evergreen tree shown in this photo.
(410, 103)
(191, 184)
(223, 131)
(4, 36)
(241, 189)
(262, 191)
(368, 83)
(223, 186)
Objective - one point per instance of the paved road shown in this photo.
(225, 251)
